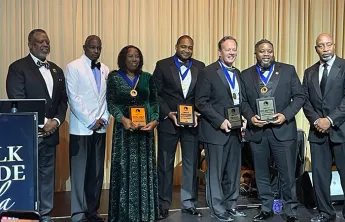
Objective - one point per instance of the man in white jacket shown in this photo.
(86, 90)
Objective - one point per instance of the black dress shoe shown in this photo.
(236, 213)
(223, 217)
(322, 218)
(163, 213)
(192, 211)
(262, 216)
(95, 218)
(291, 219)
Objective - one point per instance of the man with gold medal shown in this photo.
(262, 82)
(217, 91)
(175, 78)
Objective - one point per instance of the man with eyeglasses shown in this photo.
(324, 85)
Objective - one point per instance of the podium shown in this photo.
(19, 154)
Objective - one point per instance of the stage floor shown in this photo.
(61, 211)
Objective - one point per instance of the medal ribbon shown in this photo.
(226, 73)
(177, 63)
(133, 84)
(261, 73)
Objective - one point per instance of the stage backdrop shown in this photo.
(155, 25)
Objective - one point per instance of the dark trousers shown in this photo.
(322, 157)
(283, 153)
(166, 157)
(46, 178)
(223, 174)
(87, 169)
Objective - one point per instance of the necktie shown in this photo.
(229, 69)
(45, 64)
(95, 65)
(324, 78)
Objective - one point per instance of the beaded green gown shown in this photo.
(133, 194)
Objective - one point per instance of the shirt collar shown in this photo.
(329, 63)
(227, 67)
(36, 59)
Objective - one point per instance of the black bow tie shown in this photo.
(95, 65)
(184, 64)
(265, 69)
(40, 64)
(231, 69)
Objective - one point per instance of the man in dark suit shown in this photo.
(324, 86)
(265, 80)
(217, 89)
(34, 77)
(175, 78)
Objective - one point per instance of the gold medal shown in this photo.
(184, 86)
(264, 90)
(234, 96)
(133, 93)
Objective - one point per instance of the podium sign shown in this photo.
(18, 161)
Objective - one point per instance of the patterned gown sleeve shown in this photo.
(114, 109)
(153, 100)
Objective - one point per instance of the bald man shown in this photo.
(324, 85)
(86, 90)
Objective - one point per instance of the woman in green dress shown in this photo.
(133, 179)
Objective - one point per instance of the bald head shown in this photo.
(325, 47)
(93, 47)
(323, 36)
(90, 38)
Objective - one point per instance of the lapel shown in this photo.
(315, 78)
(103, 83)
(176, 76)
(256, 79)
(277, 70)
(35, 69)
(238, 83)
(194, 72)
(54, 74)
(90, 75)
(223, 78)
(332, 74)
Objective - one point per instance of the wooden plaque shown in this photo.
(185, 115)
(138, 115)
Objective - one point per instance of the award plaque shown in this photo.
(266, 108)
(233, 114)
(138, 115)
(185, 115)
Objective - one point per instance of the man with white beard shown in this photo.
(324, 108)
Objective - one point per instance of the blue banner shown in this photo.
(18, 161)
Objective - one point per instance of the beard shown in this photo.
(265, 65)
(326, 58)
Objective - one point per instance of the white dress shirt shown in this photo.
(187, 80)
(47, 76)
(236, 90)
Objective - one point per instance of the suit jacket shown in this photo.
(167, 79)
(289, 99)
(332, 104)
(212, 97)
(25, 81)
(86, 103)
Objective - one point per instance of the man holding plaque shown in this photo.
(217, 98)
(271, 97)
(175, 78)
(86, 90)
(324, 86)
